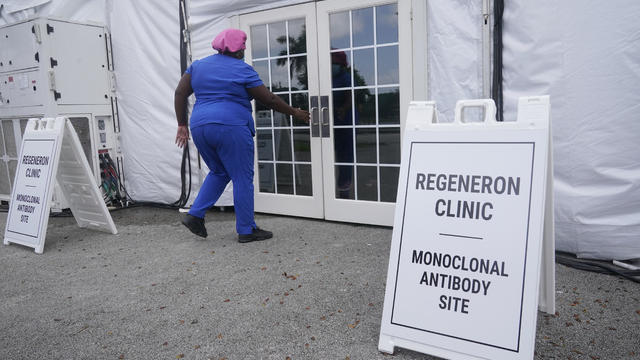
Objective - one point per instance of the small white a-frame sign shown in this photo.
(50, 152)
(472, 253)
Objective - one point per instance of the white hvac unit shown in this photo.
(52, 67)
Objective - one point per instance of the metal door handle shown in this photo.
(315, 121)
(325, 119)
(324, 113)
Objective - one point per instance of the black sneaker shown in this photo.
(256, 235)
(195, 225)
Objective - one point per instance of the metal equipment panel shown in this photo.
(19, 47)
(22, 88)
(79, 63)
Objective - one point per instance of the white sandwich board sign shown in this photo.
(467, 241)
(51, 152)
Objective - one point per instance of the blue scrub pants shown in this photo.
(228, 152)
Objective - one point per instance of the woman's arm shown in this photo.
(272, 101)
(183, 90)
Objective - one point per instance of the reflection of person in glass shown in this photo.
(342, 115)
(222, 128)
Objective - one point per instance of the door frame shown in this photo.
(323, 203)
(284, 204)
(360, 211)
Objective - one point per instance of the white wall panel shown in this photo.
(454, 53)
(76, 10)
(585, 55)
(146, 48)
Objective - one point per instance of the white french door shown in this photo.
(282, 49)
(339, 59)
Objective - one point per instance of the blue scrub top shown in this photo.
(220, 83)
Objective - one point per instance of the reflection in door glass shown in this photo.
(362, 27)
(280, 119)
(284, 177)
(277, 39)
(367, 183)
(339, 24)
(303, 185)
(366, 102)
(364, 67)
(297, 37)
(366, 145)
(264, 143)
(388, 65)
(389, 105)
(265, 176)
(259, 37)
(387, 24)
(389, 182)
(279, 55)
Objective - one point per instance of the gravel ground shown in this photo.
(315, 291)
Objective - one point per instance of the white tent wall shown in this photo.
(585, 55)
(146, 49)
(76, 10)
(145, 38)
(454, 53)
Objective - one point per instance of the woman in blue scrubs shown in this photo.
(222, 128)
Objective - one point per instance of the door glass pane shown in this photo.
(367, 183)
(297, 37)
(390, 145)
(262, 68)
(365, 106)
(281, 48)
(366, 145)
(303, 180)
(279, 75)
(339, 24)
(364, 67)
(365, 99)
(278, 39)
(342, 102)
(285, 178)
(344, 182)
(387, 24)
(389, 105)
(259, 41)
(388, 65)
(343, 145)
(264, 144)
(300, 100)
(340, 69)
(283, 145)
(301, 145)
(265, 174)
(280, 119)
(263, 115)
(362, 27)
(388, 183)
(299, 73)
